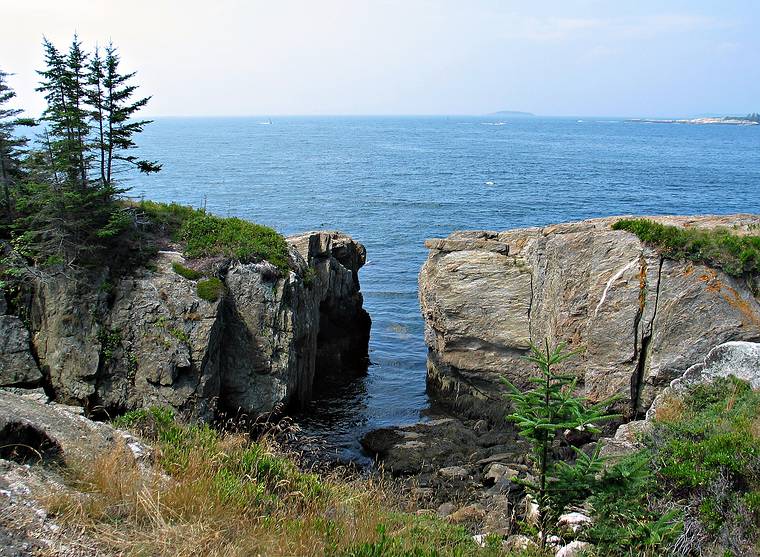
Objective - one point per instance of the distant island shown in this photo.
(511, 113)
(748, 120)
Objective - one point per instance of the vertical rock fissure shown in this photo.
(646, 337)
(530, 308)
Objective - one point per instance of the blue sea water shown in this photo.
(392, 182)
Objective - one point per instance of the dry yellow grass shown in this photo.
(671, 410)
(222, 495)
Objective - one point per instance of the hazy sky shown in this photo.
(564, 57)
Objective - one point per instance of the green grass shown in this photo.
(701, 466)
(207, 235)
(210, 289)
(185, 272)
(168, 216)
(718, 247)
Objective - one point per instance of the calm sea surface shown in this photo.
(392, 182)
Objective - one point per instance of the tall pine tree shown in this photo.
(68, 120)
(11, 147)
(118, 111)
(90, 128)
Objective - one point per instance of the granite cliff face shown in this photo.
(641, 319)
(150, 339)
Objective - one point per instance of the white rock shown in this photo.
(531, 510)
(573, 549)
(517, 542)
(453, 472)
(575, 521)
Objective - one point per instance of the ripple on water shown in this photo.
(393, 182)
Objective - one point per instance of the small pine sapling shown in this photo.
(541, 415)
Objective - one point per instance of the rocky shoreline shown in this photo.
(149, 339)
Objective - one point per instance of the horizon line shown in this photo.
(524, 116)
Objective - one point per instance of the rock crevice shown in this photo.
(640, 319)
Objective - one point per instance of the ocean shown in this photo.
(392, 182)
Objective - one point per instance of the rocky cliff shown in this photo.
(149, 339)
(641, 319)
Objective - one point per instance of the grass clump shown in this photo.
(718, 247)
(185, 272)
(168, 217)
(207, 235)
(210, 289)
(222, 494)
(695, 488)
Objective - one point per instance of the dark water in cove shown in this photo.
(392, 182)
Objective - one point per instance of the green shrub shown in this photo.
(210, 289)
(309, 276)
(168, 216)
(718, 247)
(625, 523)
(207, 235)
(183, 271)
(146, 421)
(701, 465)
(110, 341)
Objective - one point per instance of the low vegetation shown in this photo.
(210, 289)
(206, 235)
(695, 487)
(719, 247)
(222, 494)
(185, 272)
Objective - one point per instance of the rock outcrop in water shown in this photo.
(149, 339)
(641, 319)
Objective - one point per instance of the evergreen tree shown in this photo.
(118, 109)
(96, 99)
(542, 414)
(71, 209)
(11, 147)
(63, 83)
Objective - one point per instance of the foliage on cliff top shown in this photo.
(718, 247)
(206, 235)
(226, 495)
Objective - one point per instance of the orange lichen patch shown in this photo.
(713, 282)
(642, 284)
(688, 270)
(735, 300)
(731, 296)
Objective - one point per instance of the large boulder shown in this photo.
(149, 339)
(641, 319)
(33, 431)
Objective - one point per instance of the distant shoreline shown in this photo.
(697, 121)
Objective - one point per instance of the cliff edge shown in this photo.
(149, 338)
(642, 319)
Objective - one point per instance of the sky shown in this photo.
(563, 58)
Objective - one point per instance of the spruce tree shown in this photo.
(67, 118)
(72, 211)
(118, 109)
(12, 147)
(542, 414)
